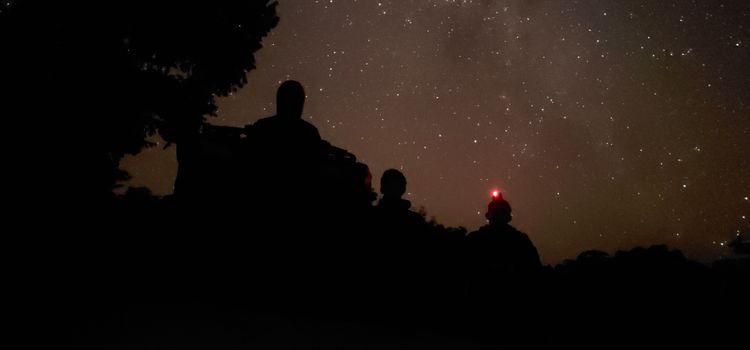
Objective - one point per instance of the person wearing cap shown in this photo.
(498, 250)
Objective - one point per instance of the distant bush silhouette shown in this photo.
(741, 244)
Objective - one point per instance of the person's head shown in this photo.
(290, 100)
(498, 212)
(393, 184)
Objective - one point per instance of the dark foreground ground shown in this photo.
(189, 301)
(216, 284)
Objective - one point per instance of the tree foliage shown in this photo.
(123, 70)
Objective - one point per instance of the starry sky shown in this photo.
(607, 123)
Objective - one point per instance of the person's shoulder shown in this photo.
(521, 237)
(482, 231)
(265, 121)
(307, 125)
(516, 232)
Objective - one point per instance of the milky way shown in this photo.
(608, 124)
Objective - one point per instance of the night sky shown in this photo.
(607, 124)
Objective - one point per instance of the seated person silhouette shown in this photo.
(498, 248)
(400, 228)
(392, 207)
(401, 243)
(286, 134)
(283, 149)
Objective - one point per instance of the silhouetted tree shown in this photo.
(124, 70)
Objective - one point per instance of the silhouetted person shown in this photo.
(498, 252)
(401, 243)
(394, 208)
(286, 136)
(283, 151)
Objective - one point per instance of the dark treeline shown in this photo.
(274, 238)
